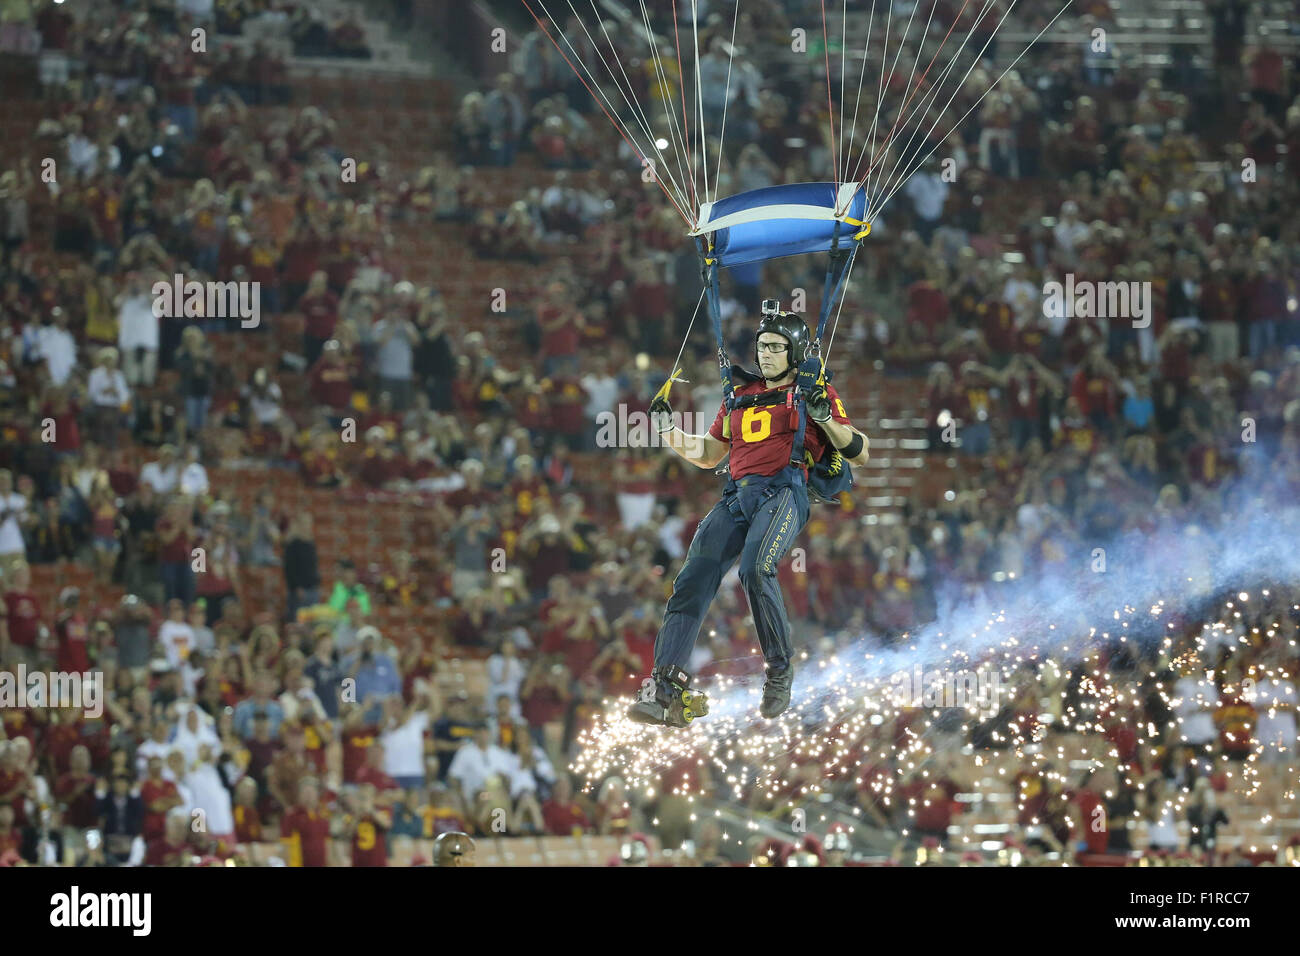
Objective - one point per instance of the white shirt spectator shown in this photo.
(404, 746)
(1068, 233)
(471, 767)
(1276, 701)
(207, 793)
(190, 739)
(602, 393)
(266, 405)
(928, 193)
(137, 325)
(505, 676)
(83, 154)
(524, 780)
(58, 349)
(151, 748)
(194, 479)
(12, 509)
(108, 388)
(1163, 831)
(1023, 297)
(1196, 705)
(162, 480)
(670, 536)
(177, 640)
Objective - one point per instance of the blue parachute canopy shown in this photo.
(778, 221)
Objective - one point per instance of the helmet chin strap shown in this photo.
(789, 369)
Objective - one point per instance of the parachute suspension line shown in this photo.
(927, 103)
(842, 174)
(880, 87)
(830, 110)
(889, 139)
(932, 95)
(689, 220)
(871, 216)
(686, 126)
(722, 131)
(699, 102)
(920, 47)
(637, 112)
(677, 363)
(675, 133)
(857, 100)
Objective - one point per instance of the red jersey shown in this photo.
(248, 825)
(24, 617)
(73, 656)
(368, 847)
(356, 743)
(304, 834)
(315, 745)
(564, 819)
(155, 820)
(761, 437)
(320, 314)
(13, 791)
(162, 853)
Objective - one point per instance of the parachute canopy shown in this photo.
(778, 221)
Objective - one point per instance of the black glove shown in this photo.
(819, 405)
(661, 414)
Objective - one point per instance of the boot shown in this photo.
(776, 691)
(669, 700)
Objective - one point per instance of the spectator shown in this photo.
(138, 328)
(14, 517)
(349, 588)
(164, 475)
(300, 575)
(194, 362)
(476, 762)
(110, 397)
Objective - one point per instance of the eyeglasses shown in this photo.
(772, 346)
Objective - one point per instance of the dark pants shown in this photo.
(756, 520)
(178, 581)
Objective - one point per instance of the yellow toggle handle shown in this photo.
(667, 386)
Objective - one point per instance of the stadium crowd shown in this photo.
(303, 720)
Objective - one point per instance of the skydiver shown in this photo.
(763, 507)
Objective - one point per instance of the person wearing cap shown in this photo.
(348, 588)
(375, 674)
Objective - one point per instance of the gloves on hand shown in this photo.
(661, 414)
(819, 405)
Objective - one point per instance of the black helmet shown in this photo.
(792, 327)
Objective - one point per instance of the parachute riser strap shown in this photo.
(836, 272)
(713, 300)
